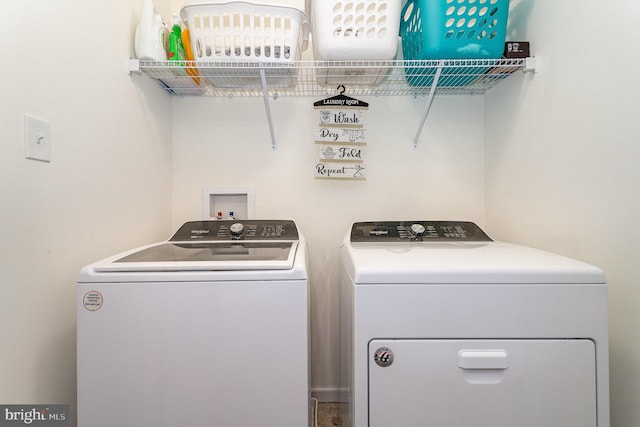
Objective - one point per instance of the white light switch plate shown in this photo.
(37, 139)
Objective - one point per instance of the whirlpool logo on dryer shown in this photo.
(36, 415)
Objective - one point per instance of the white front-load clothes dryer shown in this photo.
(441, 326)
(209, 328)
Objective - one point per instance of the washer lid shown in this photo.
(226, 245)
(205, 256)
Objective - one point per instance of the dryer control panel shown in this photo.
(225, 230)
(407, 231)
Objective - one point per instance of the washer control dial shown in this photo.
(236, 228)
(418, 230)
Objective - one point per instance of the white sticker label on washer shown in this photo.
(92, 301)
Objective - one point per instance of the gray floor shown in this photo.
(330, 414)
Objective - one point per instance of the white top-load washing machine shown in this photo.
(209, 328)
(441, 326)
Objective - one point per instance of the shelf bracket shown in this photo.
(427, 107)
(265, 94)
(134, 66)
(530, 65)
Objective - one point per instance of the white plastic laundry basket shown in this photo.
(246, 35)
(355, 30)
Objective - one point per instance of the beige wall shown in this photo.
(562, 160)
(107, 188)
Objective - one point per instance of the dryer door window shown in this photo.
(482, 383)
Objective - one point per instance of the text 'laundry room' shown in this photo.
(288, 213)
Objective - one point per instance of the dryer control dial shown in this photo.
(418, 230)
(236, 228)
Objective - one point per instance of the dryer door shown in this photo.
(482, 383)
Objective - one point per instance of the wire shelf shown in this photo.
(320, 78)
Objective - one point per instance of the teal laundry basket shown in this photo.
(452, 29)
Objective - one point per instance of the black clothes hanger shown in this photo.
(341, 100)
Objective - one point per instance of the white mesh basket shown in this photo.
(347, 30)
(248, 33)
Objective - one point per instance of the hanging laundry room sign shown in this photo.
(338, 170)
(342, 117)
(342, 152)
(333, 134)
(341, 137)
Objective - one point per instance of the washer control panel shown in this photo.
(407, 231)
(225, 230)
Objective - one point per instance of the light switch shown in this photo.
(37, 139)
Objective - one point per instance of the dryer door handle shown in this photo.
(483, 359)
